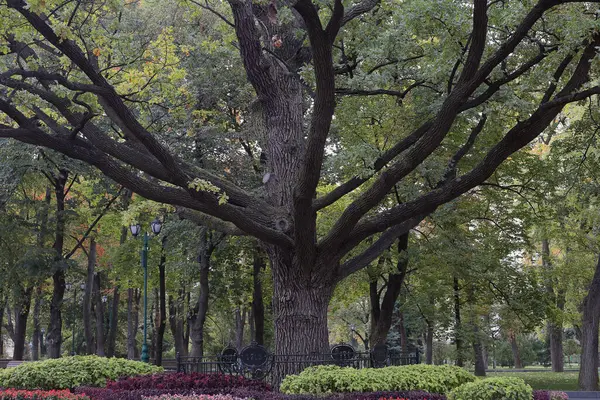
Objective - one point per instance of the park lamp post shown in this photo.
(156, 225)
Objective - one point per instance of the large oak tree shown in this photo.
(59, 91)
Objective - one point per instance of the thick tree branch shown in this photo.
(517, 137)
(359, 9)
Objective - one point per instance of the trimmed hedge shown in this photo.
(186, 382)
(493, 389)
(70, 372)
(332, 379)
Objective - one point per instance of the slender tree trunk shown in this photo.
(429, 344)
(177, 334)
(113, 323)
(35, 336)
(515, 350)
(258, 306)
(476, 342)
(99, 311)
(130, 335)
(87, 298)
(2, 308)
(457, 325)
(588, 370)
(381, 321)
(240, 321)
(162, 312)
(402, 329)
(54, 340)
(555, 324)
(21, 316)
(41, 242)
(199, 316)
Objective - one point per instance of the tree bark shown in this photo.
(99, 311)
(132, 322)
(476, 342)
(87, 298)
(113, 323)
(300, 311)
(162, 312)
(429, 344)
(35, 336)
(240, 321)
(457, 325)
(588, 370)
(557, 304)
(515, 350)
(200, 310)
(54, 337)
(382, 315)
(258, 306)
(2, 308)
(21, 316)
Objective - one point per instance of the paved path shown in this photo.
(583, 395)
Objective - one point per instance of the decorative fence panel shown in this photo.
(255, 362)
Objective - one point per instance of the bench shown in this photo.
(14, 363)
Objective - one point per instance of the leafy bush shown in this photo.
(493, 389)
(69, 372)
(333, 379)
(142, 394)
(187, 382)
(14, 394)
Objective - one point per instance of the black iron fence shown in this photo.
(255, 362)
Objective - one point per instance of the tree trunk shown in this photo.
(21, 316)
(35, 336)
(515, 350)
(382, 320)
(87, 298)
(258, 306)
(162, 313)
(429, 344)
(476, 342)
(199, 315)
(588, 370)
(177, 335)
(1, 325)
(555, 322)
(300, 311)
(42, 218)
(99, 311)
(240, 321)
(113, 323)
(54, 340)
(402, 329)
(457, 324)
(132, 321)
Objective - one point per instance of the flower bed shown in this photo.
(236, 393)
(187, 382)
(15, 394)
(549, 395)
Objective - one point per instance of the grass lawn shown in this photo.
(545, 380)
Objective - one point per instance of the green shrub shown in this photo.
(493, 389)
(332, 379)
(70, 372)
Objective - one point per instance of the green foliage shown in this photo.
(545, 380)
(70, 372)
(493, 389)
(333, 379)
